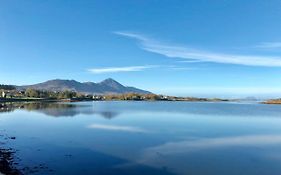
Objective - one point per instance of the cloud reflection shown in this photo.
(209, 143)
(117, 128)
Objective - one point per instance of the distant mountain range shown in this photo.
(105, 87)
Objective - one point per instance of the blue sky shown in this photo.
(225, 48)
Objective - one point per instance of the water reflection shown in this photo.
(69, 161)
(117, 128)
(211, 143)
(55, 109)
(251, 152)
(146, 137)
(108, 114)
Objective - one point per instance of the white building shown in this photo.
(3, 94)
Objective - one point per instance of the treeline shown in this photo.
(33, 93)
(7, 87)
(132, 96)
(153, 97)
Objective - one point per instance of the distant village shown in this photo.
(10, 93)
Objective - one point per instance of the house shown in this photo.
(3, 94)
(97, 97)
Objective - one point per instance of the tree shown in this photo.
(7, 87)
(32, 93)
(66, 94)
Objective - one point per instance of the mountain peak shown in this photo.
(112, 83)
(109, 80)
(108, 85)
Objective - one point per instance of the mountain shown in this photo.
(105, 87)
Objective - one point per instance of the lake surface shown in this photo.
(143, 138)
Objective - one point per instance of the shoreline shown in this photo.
(272, 102)
(180, 99)
(8, 158)
(7, 100)
(7, 162)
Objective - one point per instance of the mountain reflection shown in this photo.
(54, 109)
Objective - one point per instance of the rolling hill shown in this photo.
(106, 86)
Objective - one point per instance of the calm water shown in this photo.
(144, 138)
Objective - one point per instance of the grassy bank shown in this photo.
(273, 101)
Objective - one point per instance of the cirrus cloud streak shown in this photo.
(120, 69)
(188, 53)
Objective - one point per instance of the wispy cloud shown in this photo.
(117, 128)
(191, 61)
(269, 45)
(120, 69)
(177, 51)
(135, 68)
